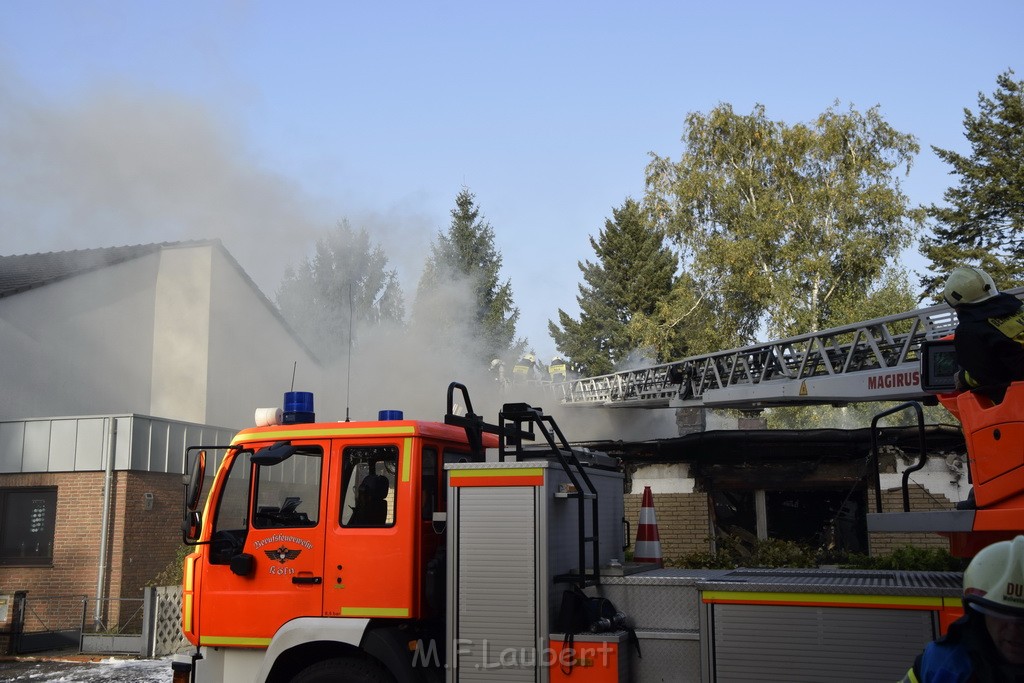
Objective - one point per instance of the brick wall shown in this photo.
(76, 538)
(920, 500)
(150, 537)
(141, 542)
(682, 522)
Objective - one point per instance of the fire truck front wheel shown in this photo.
(343, 670)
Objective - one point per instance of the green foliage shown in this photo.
(909, 558)
(172, 574)
(983, 220)
(459, 293)
(852, 416)
(734, 552)
(783, 229)
(346, 281)
(633, 273)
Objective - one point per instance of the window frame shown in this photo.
(50, 525)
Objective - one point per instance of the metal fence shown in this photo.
(149, 626)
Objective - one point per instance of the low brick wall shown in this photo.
(682, 522)
(920, 500)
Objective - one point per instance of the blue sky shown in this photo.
(264, 123)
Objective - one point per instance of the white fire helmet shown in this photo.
(968, 286)
(994, 580)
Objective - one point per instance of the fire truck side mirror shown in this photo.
(274, 454)
(242, 564)
(191, 526)
(195, 481)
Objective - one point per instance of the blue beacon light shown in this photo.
(298, 407)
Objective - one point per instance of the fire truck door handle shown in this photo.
(315, 580)
(625, 523)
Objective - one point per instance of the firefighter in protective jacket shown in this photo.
(559, 369)
(989, 337)
(524, 368)
(987, 643)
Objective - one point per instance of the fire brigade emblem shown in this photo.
(282, 554)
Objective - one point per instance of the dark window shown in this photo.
(288, 494)
(230, 520)
(368, 495)
(27, 526)
(430, 493)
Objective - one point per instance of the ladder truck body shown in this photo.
(411, 551)
(408, 551)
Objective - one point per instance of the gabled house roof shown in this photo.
(22, 272)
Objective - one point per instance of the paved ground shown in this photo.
(81, 669)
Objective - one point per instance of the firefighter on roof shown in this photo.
(989, 336)
(524, 368)
(558, 370)
(987, 643)
(498, 370)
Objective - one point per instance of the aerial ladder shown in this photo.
(904, 357)
(873, 360)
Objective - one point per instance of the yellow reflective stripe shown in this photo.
(187, 612)
(813, 598)
(525, 472)
(407, 460)
(333, 431)
(374, 611)
(190, 564)
(1012, 325)
(216, 641)
(911, 677)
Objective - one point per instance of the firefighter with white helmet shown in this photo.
(989, 336)
(524, 368)
(987, 643)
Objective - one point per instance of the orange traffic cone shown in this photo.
(648, 545)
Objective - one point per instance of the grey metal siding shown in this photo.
(82, 444)
(797, 643)
(496, 583)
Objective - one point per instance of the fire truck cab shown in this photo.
(320, 548)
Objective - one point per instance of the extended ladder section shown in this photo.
(874, 360)
(520, 422)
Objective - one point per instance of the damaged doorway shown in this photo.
(822, 518)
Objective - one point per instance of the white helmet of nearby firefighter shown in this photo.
(994, 580)
(968, 285)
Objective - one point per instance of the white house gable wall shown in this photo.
(181, 329)
(79, 346)
(252, 352)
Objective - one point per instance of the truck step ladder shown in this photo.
(519, 423)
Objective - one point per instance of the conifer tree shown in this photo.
(346, 281)
(460, 291)
(982, 222)
(632, 273)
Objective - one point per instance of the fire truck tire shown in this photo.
(343, 670)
